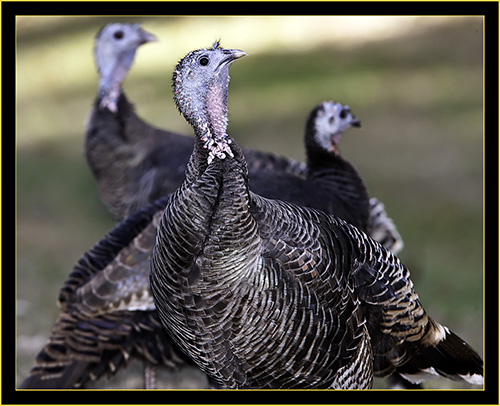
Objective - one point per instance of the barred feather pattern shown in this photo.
(100, 326)
(272, 295)
(382, 228)
(240, 323)
(277, 273)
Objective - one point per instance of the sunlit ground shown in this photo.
(415, 83)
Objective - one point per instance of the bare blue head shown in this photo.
(326, 124)
(114, 52)
(200, 87)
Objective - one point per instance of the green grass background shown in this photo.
(415, 83)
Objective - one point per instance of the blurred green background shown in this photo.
(416, 83)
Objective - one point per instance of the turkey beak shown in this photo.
(356, 123)
(232, 55)
(237, 53)
(145, 37)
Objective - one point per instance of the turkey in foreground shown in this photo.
(135, 163)
(266, 294)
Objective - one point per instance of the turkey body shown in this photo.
(263, 293)
(133, 162)
(259, 310)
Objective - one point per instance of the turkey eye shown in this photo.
(204, 61)
(343, 113)
(118, 35)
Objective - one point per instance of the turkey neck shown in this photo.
(212, 200)
(323, 166)
(317, 157)
(329, 172)
(210, 129)
(112, 75)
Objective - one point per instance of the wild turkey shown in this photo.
(136, 163)
(330, 183)
(123, 152)
(262, 293)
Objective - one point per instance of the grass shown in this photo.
(417, 90)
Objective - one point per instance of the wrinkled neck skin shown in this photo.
(210, 125)
(112, 76)
(216, 138)
(216, 112)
